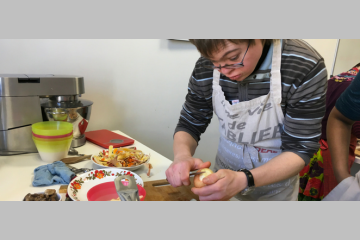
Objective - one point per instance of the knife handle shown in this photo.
(71, 160)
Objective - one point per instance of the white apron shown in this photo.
(250, 134)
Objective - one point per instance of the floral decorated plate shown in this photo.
(95, 158)
(80, 186)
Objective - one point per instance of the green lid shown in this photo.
(52, 128)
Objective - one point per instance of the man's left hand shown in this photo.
(221, 186)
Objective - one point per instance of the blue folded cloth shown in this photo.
(50, 174)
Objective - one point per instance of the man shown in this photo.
(269, 96)
(341, 119)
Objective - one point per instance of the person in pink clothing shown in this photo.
(317, 179)
(343, 116)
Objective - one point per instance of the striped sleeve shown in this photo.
(304, 87)
(197, 111)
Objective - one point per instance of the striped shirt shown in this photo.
(304, 85)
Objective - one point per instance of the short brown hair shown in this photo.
(208, 46)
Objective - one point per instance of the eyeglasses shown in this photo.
(233, 66)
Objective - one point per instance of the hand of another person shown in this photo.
(178, 172)
(221, 186)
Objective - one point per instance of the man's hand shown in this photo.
(178, 172)
(221, 186)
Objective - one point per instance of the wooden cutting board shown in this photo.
(157, 191)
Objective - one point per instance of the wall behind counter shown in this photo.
(137, 86)
(348, 55)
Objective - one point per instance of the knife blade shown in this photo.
(193, 173)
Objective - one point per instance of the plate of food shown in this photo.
(123, 158)
(98, 185)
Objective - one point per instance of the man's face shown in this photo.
(233, 53)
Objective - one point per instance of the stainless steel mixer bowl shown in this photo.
(72, 110)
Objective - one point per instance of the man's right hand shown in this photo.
(178, 172)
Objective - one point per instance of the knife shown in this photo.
(191, 174)
(79, 170)
(71, 160)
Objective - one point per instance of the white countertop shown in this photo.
(17, 171)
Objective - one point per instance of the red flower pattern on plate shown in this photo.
(92, 176)
(99, 174)
(76, 185)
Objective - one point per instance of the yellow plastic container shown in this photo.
(52, 150)
(52, 128)
(52, 140)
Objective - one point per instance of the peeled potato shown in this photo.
(198, 178)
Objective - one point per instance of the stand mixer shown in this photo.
(28, 99)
